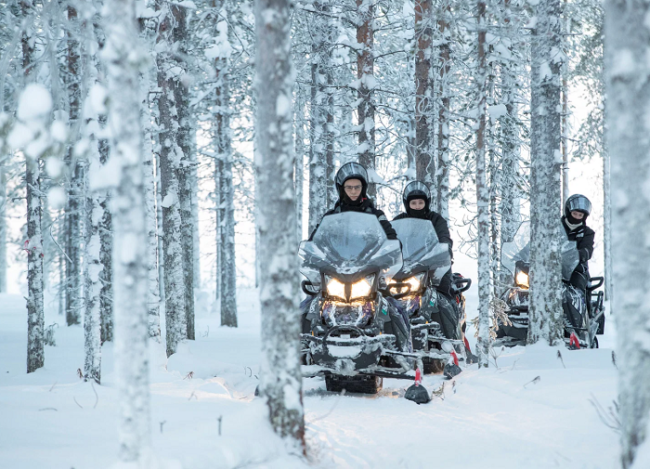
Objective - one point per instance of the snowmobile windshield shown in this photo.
(421, 249)
(519, 250)
(349, 245)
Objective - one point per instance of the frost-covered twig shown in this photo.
(609, 417)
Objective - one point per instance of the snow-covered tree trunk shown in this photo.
(75, 201)
(147, 83)
(170, 160)
(424, 155)
(124, 58)
(106, 252)
(299, 173)
(545, 313)
(320, 139)
(93, 286)
(226, 266)
(179, 36)
(627, 45)
(444, 107)
(366, 87)
(281, 379)
(3, 226)
(153, 289)
(482, 198)
(607, 229)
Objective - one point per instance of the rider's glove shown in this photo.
(584, 255)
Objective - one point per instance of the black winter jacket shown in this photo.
(584, 237)
(366, 206)
(439, 224)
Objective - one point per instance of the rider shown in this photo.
(417, 201)
(352, 184)
(576, 210)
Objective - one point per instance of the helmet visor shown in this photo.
(416, 189)
(579, 203)
(351, 171)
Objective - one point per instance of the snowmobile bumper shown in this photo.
(339, 353)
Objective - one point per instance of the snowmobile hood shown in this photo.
(421, 249)
(350, 245)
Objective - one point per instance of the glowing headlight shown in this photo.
(362, 288)
(335, 288)
(521, 279)
(414, 283)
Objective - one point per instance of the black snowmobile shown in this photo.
(583, 320)
(437, 325)
(351, 334)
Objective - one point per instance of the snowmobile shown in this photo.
(437, 325)
(583, 319)
(351, 334)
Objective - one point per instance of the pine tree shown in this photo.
(546, 317)
(366, 86)
(281, 380)
(124, 60)
(627, 43)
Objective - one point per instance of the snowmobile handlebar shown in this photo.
(462, 284)
(599, 283)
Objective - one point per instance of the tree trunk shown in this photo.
(185, 180)
(444, 106)
(482, 197)
(3, 227)
(281, 380)
(93, 285)
(106, 253)
(75, 187)
(365, 75)
(627, 44)
(545, 313)
(321, 137)
(170, 158)
(123, 57)
(425, 163)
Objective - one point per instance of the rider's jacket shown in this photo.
(584, 237)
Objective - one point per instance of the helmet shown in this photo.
(351, 170)
(416, 190)
(577, 203)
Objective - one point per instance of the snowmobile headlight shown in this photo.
(521, 279)
(335, 288)
(410, 285)
(362, 288)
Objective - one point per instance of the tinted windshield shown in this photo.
(519, 250)
(350, 243)
(421, 249)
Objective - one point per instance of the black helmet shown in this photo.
(416, 190)
(351, 170)
(577, 203)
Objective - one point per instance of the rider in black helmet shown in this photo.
(352, 184)
(576, 210)
(417, 201)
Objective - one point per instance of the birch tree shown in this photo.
(281, 380)
(627, 44)
(482, 197)
(3, 225)
(546, 316)
(124, 61)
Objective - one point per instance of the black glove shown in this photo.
(584, 255)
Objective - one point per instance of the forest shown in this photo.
(166, 166)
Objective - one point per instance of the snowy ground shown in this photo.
(530, 410)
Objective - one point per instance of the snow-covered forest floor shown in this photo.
(531, 410)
